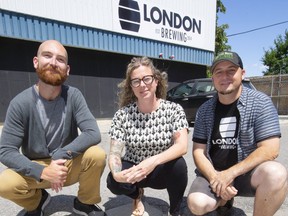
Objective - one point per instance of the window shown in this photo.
(204, 87)
(183, 89)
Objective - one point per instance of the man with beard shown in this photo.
(43, 121)
(235, 141)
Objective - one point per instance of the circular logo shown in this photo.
(129, 15)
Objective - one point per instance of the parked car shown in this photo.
(192, 93)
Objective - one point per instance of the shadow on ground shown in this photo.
(152, 203)
(58, 205)
(122, 206)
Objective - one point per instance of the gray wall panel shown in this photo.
(95, 73)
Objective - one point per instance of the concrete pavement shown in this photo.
(156, 201)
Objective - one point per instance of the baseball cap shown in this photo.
(227, 56)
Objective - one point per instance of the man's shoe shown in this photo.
(45, 199)
(226, 209)
(86, 209)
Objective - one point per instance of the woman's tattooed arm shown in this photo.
(116, 148)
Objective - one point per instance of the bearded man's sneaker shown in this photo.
(39, 211)
(86, 209)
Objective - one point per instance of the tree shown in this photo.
(276, 58)
(221, 39)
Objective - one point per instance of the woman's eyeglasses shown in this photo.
(148, 79)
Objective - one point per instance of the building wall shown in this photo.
(95, 73)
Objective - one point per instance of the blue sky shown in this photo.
(245, 15)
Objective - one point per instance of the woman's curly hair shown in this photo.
(126, 94)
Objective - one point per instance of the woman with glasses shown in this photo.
(153, 133)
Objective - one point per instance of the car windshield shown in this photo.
(204, 87)
(183, 89)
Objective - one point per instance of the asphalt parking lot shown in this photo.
(156, 201)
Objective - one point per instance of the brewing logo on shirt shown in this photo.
(227, 129)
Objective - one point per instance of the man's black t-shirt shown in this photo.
(225, 136)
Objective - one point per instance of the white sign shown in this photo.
(188, 23)
(184, 22)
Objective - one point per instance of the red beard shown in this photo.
(51, 75)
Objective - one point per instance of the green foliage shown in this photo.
(221, 39)
(276, 58)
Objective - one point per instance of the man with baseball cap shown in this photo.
(235, 141)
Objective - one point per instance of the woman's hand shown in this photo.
(121, 176)
(139, 172)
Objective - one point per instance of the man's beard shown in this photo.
(51, 76)
(226, 92)
(229, 90)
